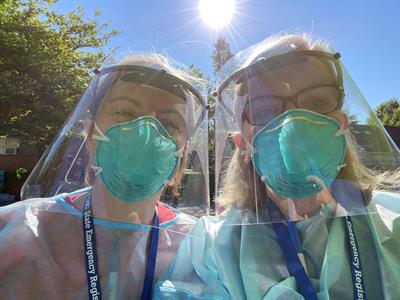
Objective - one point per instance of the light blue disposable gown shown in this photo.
(42, 251)
(224, 261)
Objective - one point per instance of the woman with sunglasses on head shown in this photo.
(308, 203)
(113, 234)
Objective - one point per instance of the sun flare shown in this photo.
(217, 13)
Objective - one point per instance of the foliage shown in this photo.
(389, 112)
(20, 172)
(210, 87)
(221, 54)
(46, 61)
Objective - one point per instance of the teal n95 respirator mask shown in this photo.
(136, 159)
(299, 153)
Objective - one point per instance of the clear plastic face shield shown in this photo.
(294, 133)
(138, 134)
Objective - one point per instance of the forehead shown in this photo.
(290, 77)
(143, 96)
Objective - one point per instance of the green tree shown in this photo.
(221, 54)
(46, 62)
(389, 112)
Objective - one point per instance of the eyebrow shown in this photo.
(174, 112)
(124, 98)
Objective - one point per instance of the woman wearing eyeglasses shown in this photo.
(308, 191)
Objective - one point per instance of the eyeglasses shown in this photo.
(323, 99)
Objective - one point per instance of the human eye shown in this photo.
(263, 109)
(167, 120)
(124, 110)
(172, 126)
(321, 99)
(123, 113)
(316, 102)
(266, 112)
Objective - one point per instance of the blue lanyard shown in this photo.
(289, 250)
(290, 245)
(356, 270)
(89, 241)
(151, 262)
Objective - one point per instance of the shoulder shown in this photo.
(31, 206)
(225, 224)
(384, 213)
(29, 213)
(22, 221)
(20, 233)
(388, 200)
(174, 219)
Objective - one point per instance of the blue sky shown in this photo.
(367, 33)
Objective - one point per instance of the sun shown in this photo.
(217, 13)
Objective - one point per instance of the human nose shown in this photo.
(289, 104)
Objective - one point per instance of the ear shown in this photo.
(184, 153)
(185, 150)
(239, 141)
(89, 128)
(90, 143)
(241, 144)
(345, 121)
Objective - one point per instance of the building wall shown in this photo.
(394, 133)
(10, 163)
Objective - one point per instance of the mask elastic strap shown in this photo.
(99, 135)
(341, 131)
(344, 127)
(180, 151)
(179, 154)
(249, 150)
(96, 169)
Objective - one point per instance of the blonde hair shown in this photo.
(243, 188)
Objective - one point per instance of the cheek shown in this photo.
(181, 140)
(338, 116)
(248, 132)
(91, 149)
(103, 121)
